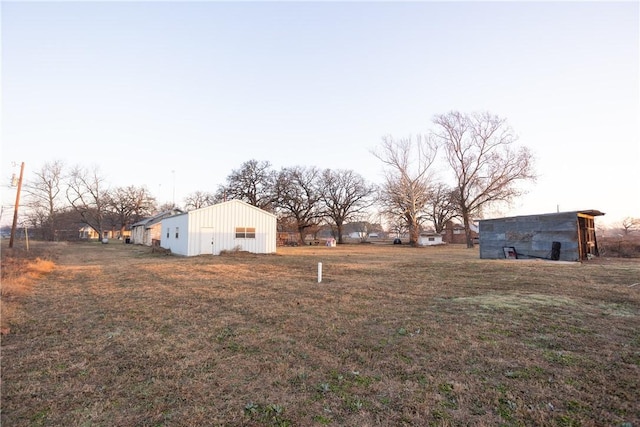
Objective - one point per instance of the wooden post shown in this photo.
(15, 209)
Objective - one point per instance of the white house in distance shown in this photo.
(225, 226)
(149, 230)
(430, 239)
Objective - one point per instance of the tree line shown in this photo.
(477, 150)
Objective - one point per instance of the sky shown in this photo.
(174, 96)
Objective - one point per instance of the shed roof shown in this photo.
(589, 212)
(233, 201)
(147, 222)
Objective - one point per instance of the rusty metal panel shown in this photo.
(531, 235)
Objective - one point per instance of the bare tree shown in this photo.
(166, 206)
(441, 206)
(199, 199)
(45, 198)
(405, 191)
(478, 147)
(298, 197)
(88, 195)
(345, 194)
(252, 183)
(130, 204)
(68, 224)
(398, 225)
(629, 225)
(362, 226)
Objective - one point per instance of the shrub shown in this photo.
(620, 247)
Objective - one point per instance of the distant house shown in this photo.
(357, 235)
(430, 239)
(227, 226)
(567, 236)
(454, 233)
(149, 230)
(287, 238)
(87, 233)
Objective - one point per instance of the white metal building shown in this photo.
(225, 226)
(430, 239)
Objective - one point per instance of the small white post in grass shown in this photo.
(319, 272)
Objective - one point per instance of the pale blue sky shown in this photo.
(144, 89)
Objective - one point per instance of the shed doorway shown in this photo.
(206, 241)
(587, 243)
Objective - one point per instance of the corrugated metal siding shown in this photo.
(177, 245)
(222, 220)
(143, 235)
(532, 236)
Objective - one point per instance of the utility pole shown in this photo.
(15, 210)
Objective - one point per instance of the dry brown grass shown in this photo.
(116, 335)
(20, 270)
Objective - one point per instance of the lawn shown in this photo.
(116, 335)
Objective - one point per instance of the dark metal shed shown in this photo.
(566, 236)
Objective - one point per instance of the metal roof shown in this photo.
(589, 212)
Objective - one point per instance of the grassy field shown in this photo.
(114, 335)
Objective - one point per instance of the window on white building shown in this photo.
(245, 233)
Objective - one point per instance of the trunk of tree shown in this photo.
(339, 227)
(301, 234)
(98, 230)
(467, 228)
(414, 233)
(51, 222)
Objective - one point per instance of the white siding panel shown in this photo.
(224, 218)
(177, 245)
(137, 235)
(424, 240)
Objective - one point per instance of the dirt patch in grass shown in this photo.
(117, 335)
(516, 301)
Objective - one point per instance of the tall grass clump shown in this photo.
(20, 270)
